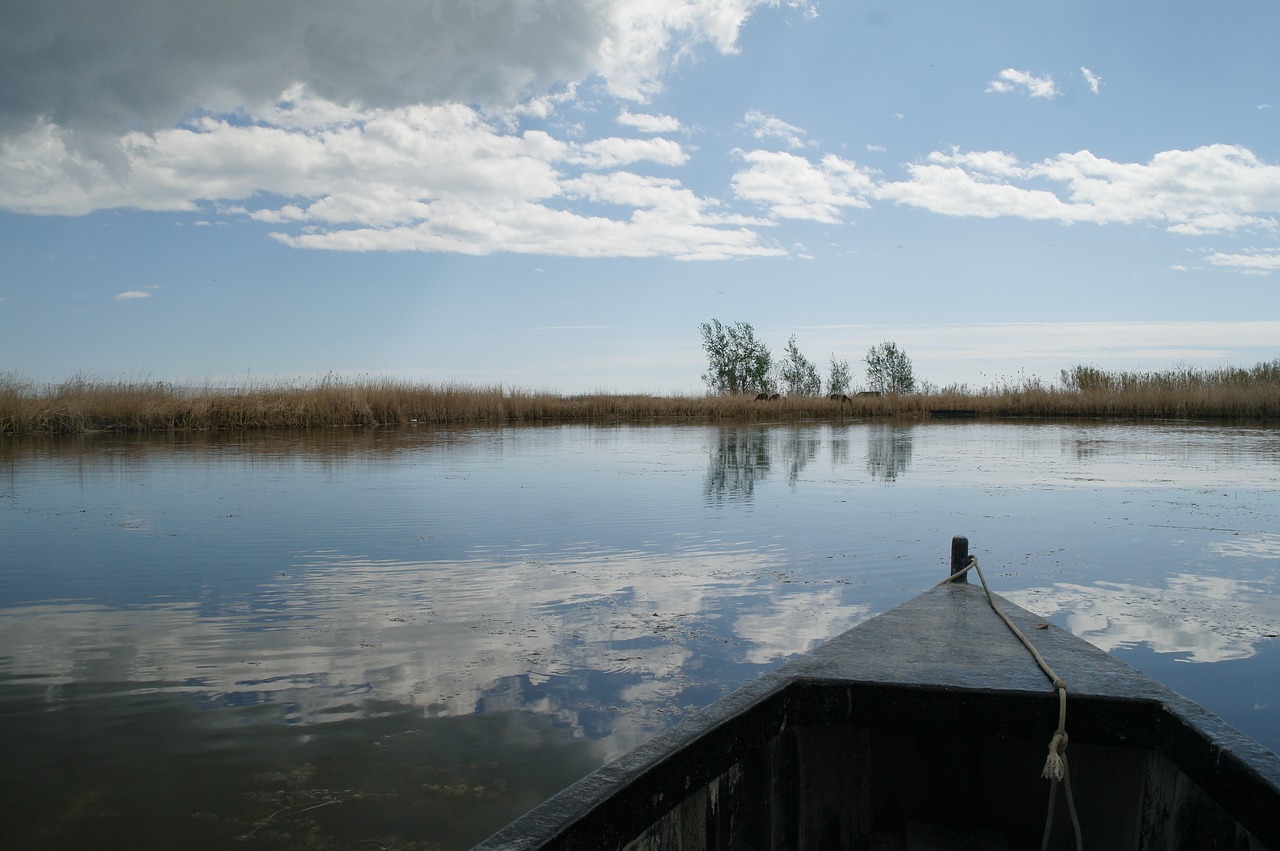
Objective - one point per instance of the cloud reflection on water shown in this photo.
(1258, 545)
(614, 644)
(521, 598)
(1201, 618)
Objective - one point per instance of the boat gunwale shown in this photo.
(616, 802)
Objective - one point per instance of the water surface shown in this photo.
(404, 638)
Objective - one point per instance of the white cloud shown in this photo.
(130, 295)
(613, 152)
(528, 228)
(1212, 189)
(974, 185)
(426, 178)
(1094, 81)
(349, 125)
(792, 187)
(1262, 262)
(1011, 80)
(351, 129)
(634, 190)
(449, 178)
(647, 123)
(764, 127)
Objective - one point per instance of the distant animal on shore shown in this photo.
(765, 397)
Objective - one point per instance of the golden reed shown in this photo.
(81, 405)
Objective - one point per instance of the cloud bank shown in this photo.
(389, 126)
(448, 177)
(1211, 189)
(441, 128)
(87, 67)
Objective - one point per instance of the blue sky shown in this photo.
(554, 195)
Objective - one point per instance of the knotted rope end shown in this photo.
(1055, 765)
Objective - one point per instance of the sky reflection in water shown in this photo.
(446, 626)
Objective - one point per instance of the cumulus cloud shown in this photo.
(613, 152)
(1211, 189)
(764, 127)
(647, 123)
(131, 295)
(433, 127)
(1260, 262)
(447, 177)
(792, 187)
(89, 67)
(394, 125)
(425, 178)
(1012, 80)
(1093, 80)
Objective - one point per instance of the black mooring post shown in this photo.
(959, 556)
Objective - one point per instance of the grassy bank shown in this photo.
(82, 405)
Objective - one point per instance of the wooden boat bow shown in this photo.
(925, 728)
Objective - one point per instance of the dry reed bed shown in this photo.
(80, 405)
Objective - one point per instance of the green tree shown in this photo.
(839, 378)
(737, 362)
(797, 374)
(889, 369)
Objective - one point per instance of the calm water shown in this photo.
(403, 639)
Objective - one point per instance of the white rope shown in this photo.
(1055, 765)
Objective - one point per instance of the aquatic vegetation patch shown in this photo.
(82, 404)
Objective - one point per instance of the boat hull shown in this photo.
(926, 728)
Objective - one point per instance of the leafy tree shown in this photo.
(839, 379)
(889, 369)
(797, 374)
(736, 361)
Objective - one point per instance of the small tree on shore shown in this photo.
(889, 369)
(839, 378)
(737, 362)
(797, 374)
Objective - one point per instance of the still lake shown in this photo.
(404, 638)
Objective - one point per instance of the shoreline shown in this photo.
(82, 406)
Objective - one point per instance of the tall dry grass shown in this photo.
(81, 404)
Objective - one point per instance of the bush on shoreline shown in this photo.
(81, 405)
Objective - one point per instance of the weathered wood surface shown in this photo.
(929, 720)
